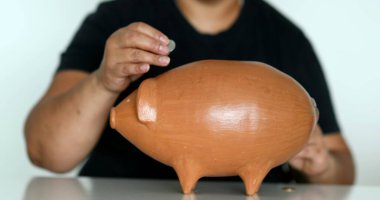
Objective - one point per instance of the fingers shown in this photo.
(297, 162)
(133, 39)
(312, 159)
(138, 43)
(134, 61)
(123, 70)
(150, 31)
(311, 151)
(316, 137)
(129, 53)
(138, 56)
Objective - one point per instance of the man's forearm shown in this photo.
(55, 140)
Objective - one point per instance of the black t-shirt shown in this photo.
(259, 34)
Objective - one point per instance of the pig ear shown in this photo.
(147, 101)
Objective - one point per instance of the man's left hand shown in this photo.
(314, 159)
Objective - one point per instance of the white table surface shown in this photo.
(41, 188)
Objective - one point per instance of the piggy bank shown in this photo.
(218, 118)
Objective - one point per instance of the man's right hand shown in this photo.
(68, 121)
(128, 54)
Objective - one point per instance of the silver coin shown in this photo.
(288, 189)
(171, 45)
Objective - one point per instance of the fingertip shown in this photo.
(164, 60)
(163, 50)
(144, 68)
(164, 39)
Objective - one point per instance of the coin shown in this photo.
(171, 45)
(288, 189)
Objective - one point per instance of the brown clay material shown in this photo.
(218, 118)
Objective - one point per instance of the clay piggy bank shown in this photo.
(218, 118)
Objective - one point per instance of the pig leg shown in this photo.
(253, 175)
(188, 174)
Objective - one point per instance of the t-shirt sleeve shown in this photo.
(309, 73)
(85, 51)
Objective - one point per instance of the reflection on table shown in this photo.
(105, 188)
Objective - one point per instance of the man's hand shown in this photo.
(314, 159)
(325, 159)
(128, 54)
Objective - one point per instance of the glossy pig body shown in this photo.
(218, 118)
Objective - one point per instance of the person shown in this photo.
(126, 41)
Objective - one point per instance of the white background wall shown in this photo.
(345, 34)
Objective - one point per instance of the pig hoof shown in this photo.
(252, 176)
(188, 174)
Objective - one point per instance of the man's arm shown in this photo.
(325, 159)
(65, 125)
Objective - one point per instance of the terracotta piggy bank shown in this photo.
(218, 118)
